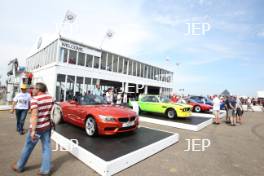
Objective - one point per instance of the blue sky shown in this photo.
(229, 56)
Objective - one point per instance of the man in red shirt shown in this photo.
(174, 98)
(40, 129)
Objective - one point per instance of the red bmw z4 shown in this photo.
(96, 116)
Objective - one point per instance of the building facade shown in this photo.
(69, 67)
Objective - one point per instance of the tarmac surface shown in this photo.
(234, 151)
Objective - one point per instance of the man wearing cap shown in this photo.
(21, 104)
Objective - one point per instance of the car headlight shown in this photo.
(107, 118)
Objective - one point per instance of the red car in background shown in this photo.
(96, 116)
(199, 107)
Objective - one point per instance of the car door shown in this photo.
(149, 104)
(74, 112)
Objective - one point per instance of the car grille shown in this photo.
(126, 119)
(126, 128)
(110, 128)
(186, 109)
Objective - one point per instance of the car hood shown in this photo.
(178, 105)
(110, 110)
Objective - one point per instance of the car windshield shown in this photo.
(91, 100)
(182, 101)
(208, 100)
(164, 99)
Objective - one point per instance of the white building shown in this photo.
(69, 67)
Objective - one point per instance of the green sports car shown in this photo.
(162, 105)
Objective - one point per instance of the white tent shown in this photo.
(260, 94)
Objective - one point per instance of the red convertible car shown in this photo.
(199, 107)
(96, 116)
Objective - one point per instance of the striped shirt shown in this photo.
(43, 103)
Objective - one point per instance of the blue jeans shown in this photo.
(21, 115)
(46, 151)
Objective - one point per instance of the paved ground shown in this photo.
(234, 151)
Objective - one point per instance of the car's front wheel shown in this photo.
(197, 108)
(171, 113)
(91, 126)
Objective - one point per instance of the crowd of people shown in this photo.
(40, 104)
(233, 107)
(112, 95)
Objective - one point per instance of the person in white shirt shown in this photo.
(119, 99)
(216, 109)
(21, 103)
(109, 96)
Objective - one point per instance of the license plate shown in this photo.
(128, 124)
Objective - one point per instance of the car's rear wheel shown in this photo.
(197, 108)
(91, 126)
(56, 114)
(171, 113)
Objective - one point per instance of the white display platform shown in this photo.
(222, 114)
(5, 107)
(177, 124)
(108, 168)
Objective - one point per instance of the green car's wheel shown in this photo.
(171, 113)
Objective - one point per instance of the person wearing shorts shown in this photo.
(228, 108)
(233, 111)
(216, 109)
(239, 110)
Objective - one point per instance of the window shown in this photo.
(125, 66)
(152, 99)
(81, 59)
(103, 61)
(89, 60)
(109, 62)
(159, 74)
(130, 71)
(115, 62)
(142, 70)
(79, 86)
(94, 82)
(155, 73)
(63, 55)
(150, 74)
(70, 87)
(72, 57)
(170, 77)
(120, 65)
(60, 87)
(96, 62)
(146, 71)
(138, 69)
(162, 75)
(87, 86)
(134, 68)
